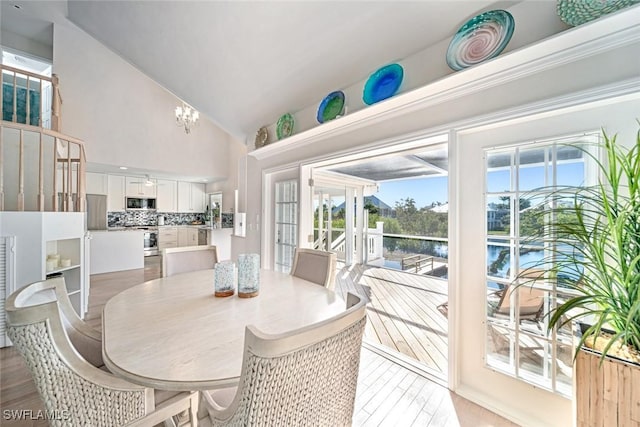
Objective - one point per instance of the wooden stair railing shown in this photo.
(60, 169)
(61, 159)
(31, 83)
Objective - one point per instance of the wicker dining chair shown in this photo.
(315, 266)
(188, 258)
(304, 377)
(73, 391)
(85, 339)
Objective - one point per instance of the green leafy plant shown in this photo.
(596, 255)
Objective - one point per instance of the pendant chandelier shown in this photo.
(186, 116)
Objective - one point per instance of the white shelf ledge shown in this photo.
(61, 269)
(614, 31)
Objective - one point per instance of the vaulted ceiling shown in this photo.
(243, 64)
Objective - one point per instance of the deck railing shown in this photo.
(411, 253)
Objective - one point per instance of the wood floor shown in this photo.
(388, 394)
(402, 312)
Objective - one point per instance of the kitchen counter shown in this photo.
(116, 250)
(199, 226)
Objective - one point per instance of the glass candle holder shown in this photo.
(248, 275)
(224, 278)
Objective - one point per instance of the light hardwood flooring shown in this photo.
(388, 394)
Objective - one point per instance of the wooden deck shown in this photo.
(402, 312)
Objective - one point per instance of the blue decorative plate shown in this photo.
(284, 127)
(482, 37)
(331, 106)
(383, 84)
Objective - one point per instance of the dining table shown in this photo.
(172, 333)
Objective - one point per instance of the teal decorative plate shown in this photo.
(383, 84)
(579, 12)
(482, 37)
(331, 106)
(284, 127)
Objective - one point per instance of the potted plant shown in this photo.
(600, 271)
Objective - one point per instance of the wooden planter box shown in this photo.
(608, 394)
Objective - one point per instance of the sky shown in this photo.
(424, 191)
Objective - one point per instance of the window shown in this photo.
(26, 97)
(286, 224)
(519, 182)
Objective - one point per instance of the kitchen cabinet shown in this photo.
(136, 186)
(96, 183)
(190, 197)
(187, 236)
(167, 237)
(167, 196)
(115, 195)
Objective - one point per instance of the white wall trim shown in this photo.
(599, 36)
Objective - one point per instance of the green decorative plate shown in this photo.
(284, 127)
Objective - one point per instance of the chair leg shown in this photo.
(193, 409)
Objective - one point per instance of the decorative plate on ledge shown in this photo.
(284, 127)
(579, 12)
(383, 84)
(261, 137)
(482, 37)
(331, 106)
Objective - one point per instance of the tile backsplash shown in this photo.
(147, 218)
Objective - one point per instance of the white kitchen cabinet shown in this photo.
(96, 183)
(187, 236)
(197, 197)
(115, 195)
(136, 186)
(190, 197)
(167, 196)
(168, 237)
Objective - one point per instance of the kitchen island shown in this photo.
(116, 250)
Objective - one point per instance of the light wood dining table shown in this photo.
(174, 334)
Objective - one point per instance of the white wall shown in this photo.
(23, 44)
(127, 119)
(235, 154)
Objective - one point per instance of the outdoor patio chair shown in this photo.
(188, 258)
(531, 302)
(304, 377)
(315, 266)
(74, 390)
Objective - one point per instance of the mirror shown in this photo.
(213, 212)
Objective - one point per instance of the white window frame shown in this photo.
(550, 342)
